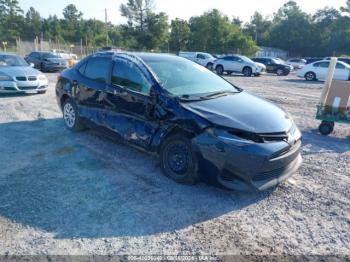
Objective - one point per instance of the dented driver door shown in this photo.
(127, 103)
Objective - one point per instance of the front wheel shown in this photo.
(219, 70)
(326, 128)
(178, 161)
(209, 66)
(247, 71)
(71, 117)
(280, 72)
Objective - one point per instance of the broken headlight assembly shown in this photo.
(236, 137)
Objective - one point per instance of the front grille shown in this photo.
(273, 174)
(21, 78)
(274, 137)
(32, 78)
(28, 87)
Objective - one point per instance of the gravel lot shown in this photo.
(65, 193)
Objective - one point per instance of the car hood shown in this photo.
(19, 71)
(260, 65)
(242, 111)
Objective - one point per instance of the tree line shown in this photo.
(324, 33)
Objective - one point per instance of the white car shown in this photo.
(65, 55)
(318, 71)
(201, 58)
(17, 76)
(297, 63)
(238, 64)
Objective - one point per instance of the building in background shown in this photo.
(271, 52)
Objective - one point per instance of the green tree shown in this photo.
(215, 33)
(292, 29)
(180, 35)
(151, 30)
(259, 28)
(11, 20)
(32, 24)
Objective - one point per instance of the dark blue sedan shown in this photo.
(200, 125)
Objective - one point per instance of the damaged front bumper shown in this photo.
(244, 165)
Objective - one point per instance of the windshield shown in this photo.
(12, 60)
(181, 77)
(208, 56)
(49, 55)
(246, 59)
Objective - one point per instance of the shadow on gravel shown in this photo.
(17, 94)
(80, 185)
(320, 143)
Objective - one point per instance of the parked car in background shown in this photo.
(191, 117)
(17, 76)
(318, 71)
(203, 59)
(238, 64)
(297, 63)
(274, 66)
(47, 61)
(65, 55)
(342, 59)
(310, 60)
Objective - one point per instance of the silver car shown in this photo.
(17, 76)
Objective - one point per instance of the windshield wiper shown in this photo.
(219, 93)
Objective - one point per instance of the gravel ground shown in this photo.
(64, 193)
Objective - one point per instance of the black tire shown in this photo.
(247, 71)
(280, 72)
(71, 117)
(326, 128)
(209, 66)
(310, 76)
(219, 70)
(178, 161)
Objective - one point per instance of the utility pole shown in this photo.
(106, 20)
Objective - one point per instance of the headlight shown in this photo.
(5, 78)
(42, 77)
(241, 138)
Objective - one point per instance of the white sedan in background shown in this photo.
(318, 71)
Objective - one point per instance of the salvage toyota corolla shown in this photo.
(199, 124)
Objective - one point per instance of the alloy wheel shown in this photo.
(69, 115)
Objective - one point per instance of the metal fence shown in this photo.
(23, 48)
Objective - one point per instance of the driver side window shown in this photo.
(128, 75)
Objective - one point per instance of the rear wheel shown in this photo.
(178, 161)
(326, 128)
(71, 117)
(210, 66)
(247, 71)
(310, 76)
(219, 70)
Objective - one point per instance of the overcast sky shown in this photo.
(176, 8)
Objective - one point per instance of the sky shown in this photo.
(175, 8)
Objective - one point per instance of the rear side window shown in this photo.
(200, 56)
(97, 69)
(340, 66)
(128, 75)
